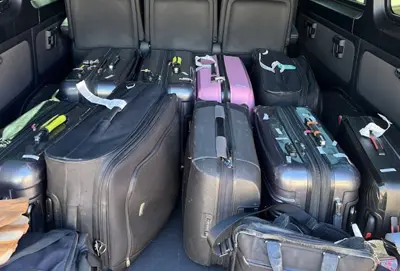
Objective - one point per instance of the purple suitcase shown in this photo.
(224, 79)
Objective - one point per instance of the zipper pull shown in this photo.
(227, 162)
(99, 247)
(337, 217)
(127, 262)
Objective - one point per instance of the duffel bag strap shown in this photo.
(330, 262)
(275, 255)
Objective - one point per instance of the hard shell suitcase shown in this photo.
(22, 166)
(283, 81)
(103, 69)
(224, 79)
(222, 176)
(116, 175)
(175, 71)
(379, 164)
(303, 166)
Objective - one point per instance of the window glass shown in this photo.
(41, 3)
(360, 1)
(395, 5)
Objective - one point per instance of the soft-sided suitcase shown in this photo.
(223, 79)
(283, 81)
(175, 71)
(222, 176)
(256, 245)
(103, 70)
(379, 165)
(22, 166)
(303, 166)
(116, 175)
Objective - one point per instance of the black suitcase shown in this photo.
(221, 177)
(177, 77)
(282, 81)
(22, 166)
(303, 166)
(379, 164)
(103, 69)
(116, 175)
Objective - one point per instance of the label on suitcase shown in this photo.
(103, 70)
(377, 158)
(304, 166)
(224, 79)
(222, 175)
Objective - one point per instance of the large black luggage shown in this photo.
(22, 166)
(116, 175)
(222, 176)
(283, 81)
(379, 164)
(103, 69)
(303, 166)
(175, 71)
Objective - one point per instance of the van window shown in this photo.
(395, 5)
(41, 3)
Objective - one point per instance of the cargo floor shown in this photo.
(166, 252)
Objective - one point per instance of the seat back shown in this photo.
(181, 24)
(246, 25)
(104, 23)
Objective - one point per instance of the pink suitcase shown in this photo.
(223, 79)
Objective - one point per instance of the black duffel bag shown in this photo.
(255, 244)
(57, 250)
(279, 80)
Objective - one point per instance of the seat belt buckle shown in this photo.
(225, 248)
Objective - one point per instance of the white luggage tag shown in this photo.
(199, 65)
(110, 104)
(282, 67)
(375, 130)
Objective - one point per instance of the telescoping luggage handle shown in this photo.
(88, 95)
(211, 65)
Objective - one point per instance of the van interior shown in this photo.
(351, 45)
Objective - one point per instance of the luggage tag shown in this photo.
(375, 130)
(282, 67)
(110, 104)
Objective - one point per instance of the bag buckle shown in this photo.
(225, 248)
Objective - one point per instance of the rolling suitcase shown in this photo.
(116, 175)
(224, 79)
(222, 176)
(377, 158)
(103, 69)
(175, 71)
(22, 166)
(303, 166)
(283, 81)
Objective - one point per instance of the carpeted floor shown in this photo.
(166, 252)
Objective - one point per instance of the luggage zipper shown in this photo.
(324, 186)
(101, 235)
(225, 191)
(292, 127)
(225, 87)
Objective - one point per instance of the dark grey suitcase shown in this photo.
(303, 166)
(222, 176)
(116, 175)
(158, 68)
(103, 70)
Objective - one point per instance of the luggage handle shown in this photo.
(221, 144)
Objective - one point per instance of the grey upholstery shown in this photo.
(181, 24)
(249, 24)
(104, 23)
